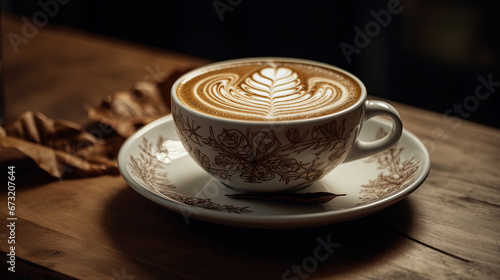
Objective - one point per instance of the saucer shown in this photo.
(154, 163)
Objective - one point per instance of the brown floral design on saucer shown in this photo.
(147, 167)
(397, 172)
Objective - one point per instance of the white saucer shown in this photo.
(155, 164)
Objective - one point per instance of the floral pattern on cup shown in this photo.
(259, 156)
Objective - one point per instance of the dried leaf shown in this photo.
(64, 149)
(316, 197)
(61, 148)
(126, 111)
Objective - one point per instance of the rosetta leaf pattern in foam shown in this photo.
(271, 92)
(273, 88)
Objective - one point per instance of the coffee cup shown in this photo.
(275, 124)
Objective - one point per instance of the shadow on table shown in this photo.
(160, 242)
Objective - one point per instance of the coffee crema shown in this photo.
(271, 90)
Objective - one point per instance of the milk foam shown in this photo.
(269, 92)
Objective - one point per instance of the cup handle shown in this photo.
(366, 148)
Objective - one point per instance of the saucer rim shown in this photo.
(269, 221)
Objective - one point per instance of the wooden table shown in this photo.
(99, 228)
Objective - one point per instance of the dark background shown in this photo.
(430, 54)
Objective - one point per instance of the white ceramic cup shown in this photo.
(276, 156)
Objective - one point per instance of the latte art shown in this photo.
(269, 92)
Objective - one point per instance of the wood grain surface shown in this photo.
(99, 228)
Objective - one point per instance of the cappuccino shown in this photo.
(268, 90)
(275, 124)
